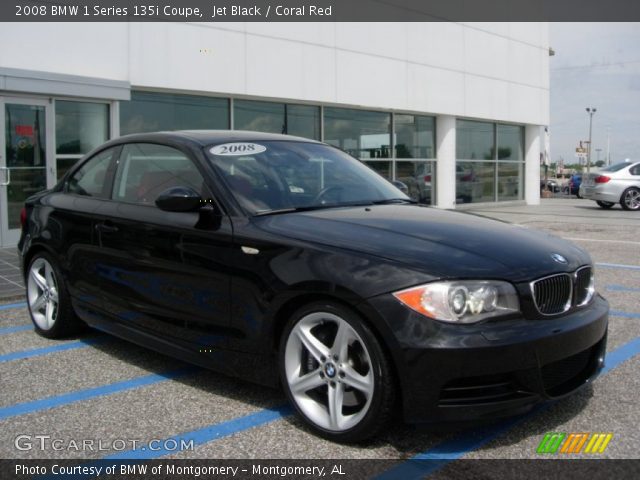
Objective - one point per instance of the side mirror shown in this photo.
(179, 199)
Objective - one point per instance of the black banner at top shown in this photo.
(318, 10)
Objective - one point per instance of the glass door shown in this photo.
(24, 159)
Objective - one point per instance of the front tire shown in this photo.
(605, 205)
(336, 374)
(630, 199)
(48, 300)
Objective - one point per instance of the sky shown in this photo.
(595, 65)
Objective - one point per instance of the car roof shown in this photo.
(209, 137)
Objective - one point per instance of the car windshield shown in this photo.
(279, 176)
(616, 167)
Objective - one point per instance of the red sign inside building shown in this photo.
(24, 130)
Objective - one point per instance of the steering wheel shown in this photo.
(324, 192)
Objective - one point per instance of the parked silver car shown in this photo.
(619, 183)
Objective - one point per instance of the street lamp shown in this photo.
(590, 111)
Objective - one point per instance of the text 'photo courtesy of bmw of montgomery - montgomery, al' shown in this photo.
(285, 261)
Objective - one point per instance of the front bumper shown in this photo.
(494, 369)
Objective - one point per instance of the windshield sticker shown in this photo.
(236, 149)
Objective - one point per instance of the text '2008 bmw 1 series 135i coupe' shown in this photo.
(282, 260)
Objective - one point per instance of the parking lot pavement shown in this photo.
(98, 387)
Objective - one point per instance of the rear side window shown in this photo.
(146, 170)
(90, 179)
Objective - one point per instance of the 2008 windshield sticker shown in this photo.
(235, 149)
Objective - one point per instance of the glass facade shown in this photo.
(299, 120)
(490, 162)
(152, 112)
(414, 136)
(80, 127)
(303, 121)
(419, 179)
(399, 146)
(474, 140)
(361, 133)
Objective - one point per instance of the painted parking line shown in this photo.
(205, 435)
(602, 240)
(89, 393)
(618, 265)
(621, 288)
(17, 328)
(8, 306)
(440, 455)
(37, 352)
(217, 431)
(620, 313)
(201, 436)
(458, 446)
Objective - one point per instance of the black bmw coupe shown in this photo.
(282, 260)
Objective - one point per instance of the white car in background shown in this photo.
(619, 183)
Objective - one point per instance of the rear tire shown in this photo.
(605, 205)
(336, 374)
(630, 199)
(48, 300)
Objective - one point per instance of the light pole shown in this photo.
(590, 111)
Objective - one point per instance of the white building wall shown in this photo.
(498, 71)
(85, 49)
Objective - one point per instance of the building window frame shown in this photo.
(496, 161)
(113, 122)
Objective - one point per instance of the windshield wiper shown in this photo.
(390, 201)
(294, 209)
(308, 208)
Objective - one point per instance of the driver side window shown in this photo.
(146, 170)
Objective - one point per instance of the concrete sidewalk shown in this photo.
(11, 281)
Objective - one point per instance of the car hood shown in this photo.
(440, 243)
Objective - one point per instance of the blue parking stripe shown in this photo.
(17, 328)
(198, 437)
(620, 313)
(621, 288)
(206, 434)
(80, 395)
(621, 354)
(36, 352)
(8, 306)
(618, 265)
(458, 446)
(443, 453)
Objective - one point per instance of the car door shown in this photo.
(164, 272)
(70, 220)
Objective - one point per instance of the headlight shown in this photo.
(463, 301)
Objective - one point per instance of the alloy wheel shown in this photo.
(329, 371)
(42, 294)
(631, 199)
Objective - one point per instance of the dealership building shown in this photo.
(453, 113)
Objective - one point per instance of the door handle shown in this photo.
(7, 177)
(106, 228)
